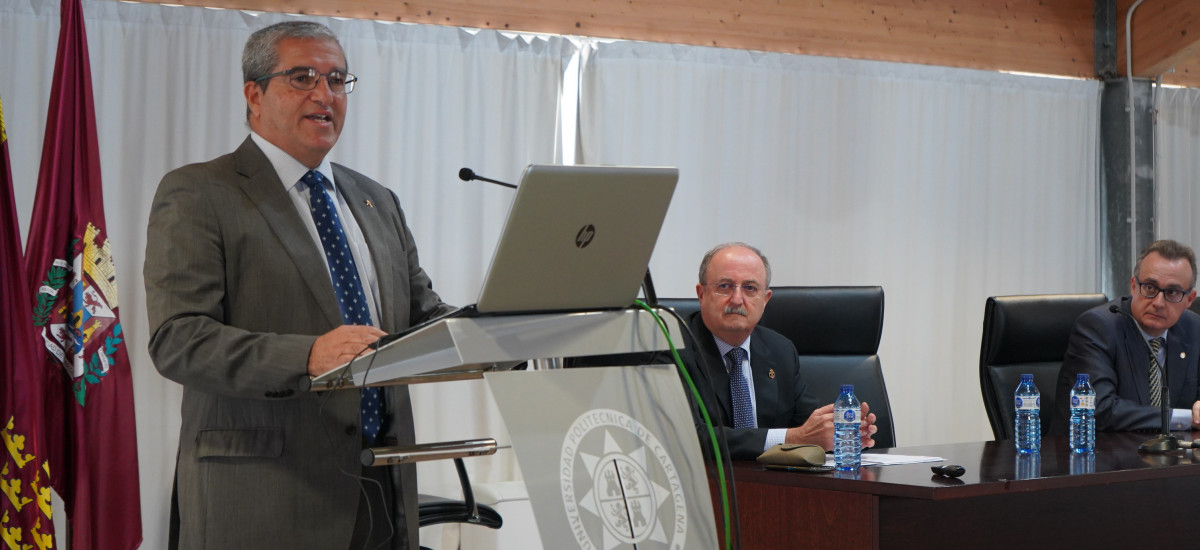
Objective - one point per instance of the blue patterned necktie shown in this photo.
(739, 390)
(346, 286)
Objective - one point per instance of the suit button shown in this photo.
(351, 430)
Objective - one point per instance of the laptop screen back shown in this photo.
(577, 238)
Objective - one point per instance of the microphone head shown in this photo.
(1113, 308)
(466, 174)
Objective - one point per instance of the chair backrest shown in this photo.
(683, 306)
(836, 331)
(827, 320)
(1026, 335)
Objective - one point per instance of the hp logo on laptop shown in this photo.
(585, 236)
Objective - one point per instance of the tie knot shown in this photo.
(313, 179)
(1156, 344)
(736, 356)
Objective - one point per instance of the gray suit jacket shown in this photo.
(1110, 349)
(237, 293)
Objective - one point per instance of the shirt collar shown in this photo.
(287, 167)
(723, 348)
(1148, 338)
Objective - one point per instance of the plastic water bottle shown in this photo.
(847, 421)
(1028, 425)
(1083, 415)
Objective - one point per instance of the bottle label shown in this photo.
(1083, 402)
(847, 416)
(1027, 404)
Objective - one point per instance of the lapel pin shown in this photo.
(771, 373)
(1183, 355)
(370, 204)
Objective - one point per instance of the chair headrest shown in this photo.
(827, 320)
(1029, 329)
(683, 306)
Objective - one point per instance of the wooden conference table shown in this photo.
(1116, 498)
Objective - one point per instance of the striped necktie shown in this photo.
(1155, 373)
(346, 286)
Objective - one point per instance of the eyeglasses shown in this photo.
(727, 289)
(1150, 290)
(306, 78)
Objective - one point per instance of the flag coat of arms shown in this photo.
(68, 259)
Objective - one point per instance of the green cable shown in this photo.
(712, 434)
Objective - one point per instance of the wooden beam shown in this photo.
(1166, 34)
(1036, 36)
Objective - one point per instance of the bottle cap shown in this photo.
(847, 388)
(1081, 377)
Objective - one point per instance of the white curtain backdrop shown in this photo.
(168, 92)
(1177, 133)
(945, 186)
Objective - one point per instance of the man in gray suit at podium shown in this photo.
(266, 266)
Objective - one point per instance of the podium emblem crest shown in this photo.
(619, 485)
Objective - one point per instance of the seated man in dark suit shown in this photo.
(735, 356)
(1114, 347)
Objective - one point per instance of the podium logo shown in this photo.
(585, 235)
(619, 485)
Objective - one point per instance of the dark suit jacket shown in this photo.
(782, 400)
(237, 292)
(1110, 349)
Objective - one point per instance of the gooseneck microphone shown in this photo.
(1165, 442)
(467, 174)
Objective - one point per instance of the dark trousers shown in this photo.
(373, 526)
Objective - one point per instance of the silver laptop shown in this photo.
(577, 238)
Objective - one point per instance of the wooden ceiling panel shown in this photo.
(1166, 36)
(1037, 36)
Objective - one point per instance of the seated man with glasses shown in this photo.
(1122, 346)
(753, 371)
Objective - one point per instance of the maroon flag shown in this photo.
(24, 474)
(91, 439)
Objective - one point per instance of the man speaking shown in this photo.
(266, 266)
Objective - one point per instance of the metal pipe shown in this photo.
(1133, 247)
(408, 454)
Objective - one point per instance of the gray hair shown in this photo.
(709, 256)
(261, 53)
(1169, 250)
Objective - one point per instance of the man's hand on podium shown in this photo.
(339, 346)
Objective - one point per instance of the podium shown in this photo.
(461, 348)
(612, 451)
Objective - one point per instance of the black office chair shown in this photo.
(1026, 335)
(432, 510)
(836, 331)
(684, 306)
